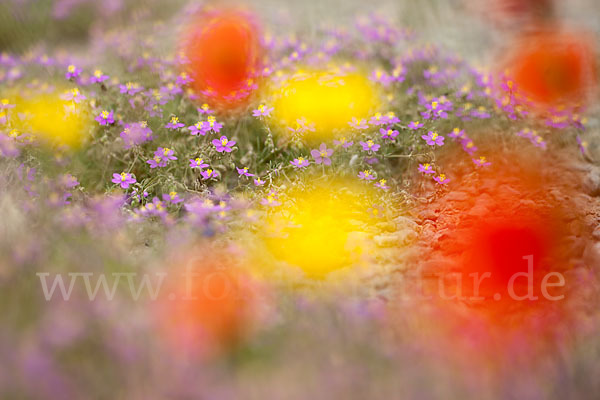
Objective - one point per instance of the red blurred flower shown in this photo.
(553, 68)
(207, 306)
(223, 54)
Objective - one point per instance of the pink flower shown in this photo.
(426, 169)
(243, 171)
(223, 144)
(415, 125)
(262, 111)
(369, 145)
(322, 154)
(123, 179)
(198, 163)
(388, 133)
(343, 142)
(299, 162)
(366, 175)
(105, 118)
(432, 139)
(441, 179)
(481, 162)
(381, 184)
(209, 173)
(174, 123)
(72, 72)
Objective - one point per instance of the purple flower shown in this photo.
(198, 163)
(123, 179)
(388, 133)
(105, 118)
(211, 124)
(98, 77)
(174, 123)
(480, 112)
(343, 142)
(130, 88)
(165, 153)
(136, 133)
(271, 200)
(415, 125)
(457, 133)
(381, 184)
(183, 79)
(390, 118)
(197, 129)
(322, 154)
(481, 162)
(223, 144)
(370, 145)
(72, 72)
(359, 124)
(366, 175)
(441, 179)
(5, 104)
(426, 168)
(204, 109)
(302, 126)
(432, 139)
(209, 173)
(258, 182)
(299, 162)
(73, 95)
(243, 171)
(377, 119)
(469, 146)
(262, 111)
(157, 162)
(172, 198)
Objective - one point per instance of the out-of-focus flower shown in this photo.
(381, 184)
(131, 88)
(389, 134)
(369, 145)
(258, 182)
(481, 161)
(204, 109)
(98, 77)
(415, 125)
(299, 162)
(172, 198)
(322, 155)
(136, 133)
(262, 111)
(72, 72)
(345, 143)
(271, 200)
(211, 124)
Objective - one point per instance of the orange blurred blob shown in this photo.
(505, 241)
(224, 53)
(207, 306)
(553, 68)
